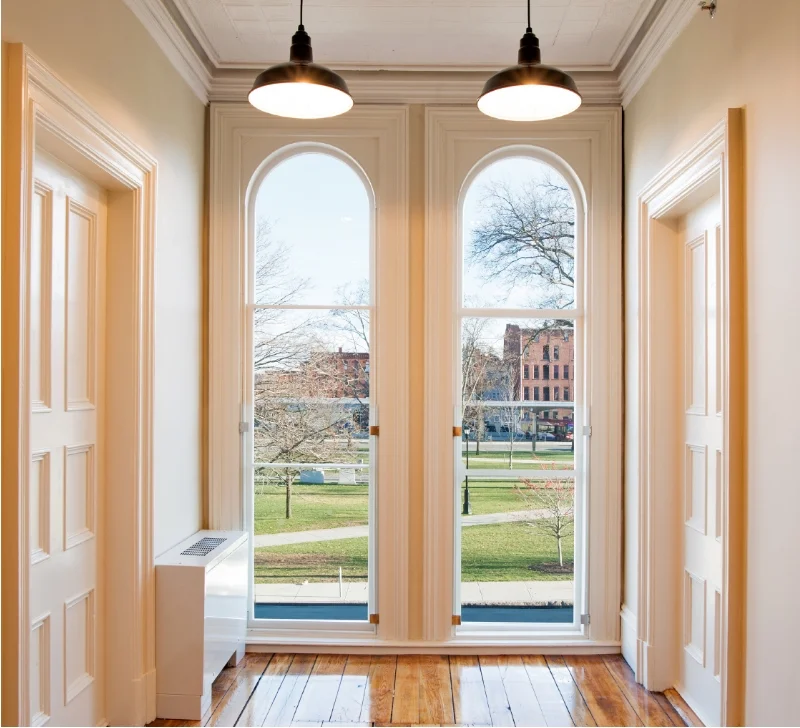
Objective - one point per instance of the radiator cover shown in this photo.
(201, 619)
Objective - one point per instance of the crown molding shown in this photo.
(670, 21)
(656, 27)
(417, 87)
(174, 44)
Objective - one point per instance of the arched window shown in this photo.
(311, 295)
(518, 314)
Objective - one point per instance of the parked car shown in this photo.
(546, 436)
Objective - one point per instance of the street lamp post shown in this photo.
(467, 509)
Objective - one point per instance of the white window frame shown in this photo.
(587, 146)
(244, 142)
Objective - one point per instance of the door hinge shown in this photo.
(244, 427)
(585, 619)
(587, 430)
(374, 618)
(456, 620)
(374, 430)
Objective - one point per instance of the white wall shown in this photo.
(102, 51)
(749, 56)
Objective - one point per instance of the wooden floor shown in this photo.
(318, 690)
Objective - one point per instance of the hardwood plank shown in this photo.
(499, 709)
(406, 690)
(688, 716)
(233, 702)
(607, 702)
(643, 701)
(436, 695)
(525, 708)
(257, 708)
(316, 704)
(353, 688)
(547, 693)
(291, 691)
(379, 697)
(573, 698)
(672, 714)
(471, 706)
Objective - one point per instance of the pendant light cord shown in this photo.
(528, 30)
(301, 13)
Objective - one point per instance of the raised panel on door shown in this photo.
(65, 494)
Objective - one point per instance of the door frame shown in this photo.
(41, 110)
(715, 162)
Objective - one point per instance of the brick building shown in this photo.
(545, 371)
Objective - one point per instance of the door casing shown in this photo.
(716, 163)
(40, 110)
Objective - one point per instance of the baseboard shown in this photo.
(444, 648)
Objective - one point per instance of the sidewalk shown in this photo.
(502, 593)
(336, 534)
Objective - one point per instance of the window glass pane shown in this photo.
(311, 463)
(506, 428)
(312, 230)
(517, 546)
(519, 237)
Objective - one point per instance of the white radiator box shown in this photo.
(201, 619)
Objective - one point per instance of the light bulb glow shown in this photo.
(529, 102)
(300, 100)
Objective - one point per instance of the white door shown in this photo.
(68, 230)
(702, 544)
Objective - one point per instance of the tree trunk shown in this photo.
(560, 554)
(288, 494)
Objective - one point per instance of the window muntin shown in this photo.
(311, 333)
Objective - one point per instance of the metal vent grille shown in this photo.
(203, 547)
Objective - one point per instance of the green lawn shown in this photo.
(334, 506)
(504, 552)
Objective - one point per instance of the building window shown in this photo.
(526, 371)
(526, 394)
(555, 354)
(546, 352)
(555, 369)
(536, 394)
(556, 393)
(546, 368)
(547, 394)
(566, 371)
(566, 394)
(535, 371)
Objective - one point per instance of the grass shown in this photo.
(503, 552)
(335, 506)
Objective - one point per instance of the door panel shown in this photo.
(66, 332)
(703, 427)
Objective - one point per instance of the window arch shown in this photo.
(310, 300)
(519, 298)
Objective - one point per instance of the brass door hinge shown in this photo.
(374, 430)
(374, 618)
(456, 620)
(456, 432)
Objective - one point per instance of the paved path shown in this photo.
(528, 593)
(336, 534)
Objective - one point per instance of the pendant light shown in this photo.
(300, 89)
(529, 91)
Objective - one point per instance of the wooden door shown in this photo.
(700, 658)
(68, 230)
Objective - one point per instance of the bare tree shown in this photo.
(557, 498)
(527, 238)
(475, 364)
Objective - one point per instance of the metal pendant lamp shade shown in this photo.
(300, 89)
(529, 91)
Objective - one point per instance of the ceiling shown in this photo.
(415, 34)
